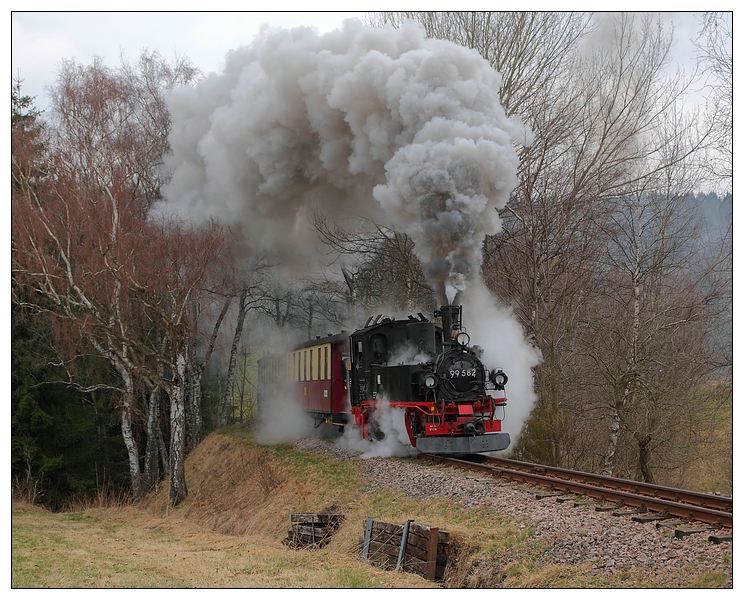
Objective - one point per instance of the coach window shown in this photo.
(327, 366)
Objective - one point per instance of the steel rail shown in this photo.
(722, 503)
(622, 498)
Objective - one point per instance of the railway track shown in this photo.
(664, 502)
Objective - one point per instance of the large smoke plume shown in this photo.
(359, 122)
(380, 123)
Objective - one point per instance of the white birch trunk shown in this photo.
(627, 398)
(227, 404)
(126, 409)
(609, 459)
(152, 472)
(178, 491)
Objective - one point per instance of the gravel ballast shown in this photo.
(579, 535)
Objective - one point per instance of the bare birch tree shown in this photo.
(715, 58)
(83, 243)
(196, 365)
(246, 302)
(650, 342)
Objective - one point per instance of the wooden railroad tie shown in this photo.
(649, 518)
(542, 495)
(630, 511)
(671, 524)
(680, 533)
(608, 507)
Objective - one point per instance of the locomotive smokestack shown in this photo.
(451, 320)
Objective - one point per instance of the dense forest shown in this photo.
(134, 334)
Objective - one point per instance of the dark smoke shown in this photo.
(380, 123)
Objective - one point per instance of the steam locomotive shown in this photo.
(451, 402)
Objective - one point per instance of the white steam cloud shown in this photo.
(392, 423)
(504, 346)
(282, 419)
(380, 123)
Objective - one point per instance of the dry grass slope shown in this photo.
(237, 487)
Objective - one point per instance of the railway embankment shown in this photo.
(503, 535)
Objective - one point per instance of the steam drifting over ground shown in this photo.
(286, 421)
(392, 423)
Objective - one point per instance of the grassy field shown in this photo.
(129, 548)
(228, 533)
(712, 469)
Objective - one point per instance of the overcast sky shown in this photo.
(41, 39)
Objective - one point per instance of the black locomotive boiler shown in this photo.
(452, 403)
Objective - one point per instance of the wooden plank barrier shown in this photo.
(426, 552)
(312, 529)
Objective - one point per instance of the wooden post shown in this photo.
(431, 559)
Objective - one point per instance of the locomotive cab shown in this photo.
(383, 354)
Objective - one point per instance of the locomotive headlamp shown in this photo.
(499, 379)
(430, 381)
(463, 338)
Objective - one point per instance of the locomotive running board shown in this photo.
(473, 444)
